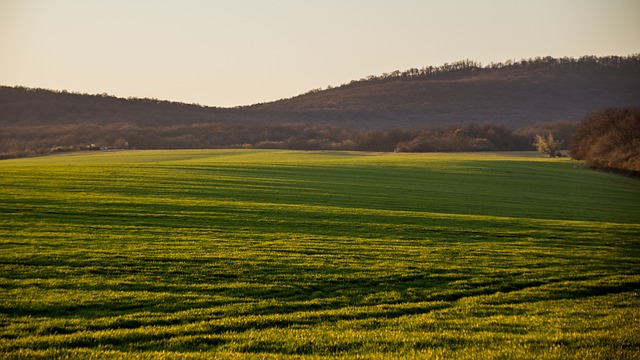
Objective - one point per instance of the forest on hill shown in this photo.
(511, 93)
(461, 106)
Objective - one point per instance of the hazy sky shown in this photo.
(238, 52)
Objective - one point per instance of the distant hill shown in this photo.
(514, 95)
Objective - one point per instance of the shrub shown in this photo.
(548, 145)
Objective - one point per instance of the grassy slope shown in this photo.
(277, 253)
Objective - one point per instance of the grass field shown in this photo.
(282, 254)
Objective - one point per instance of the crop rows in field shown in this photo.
(278, 254)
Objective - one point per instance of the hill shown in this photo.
(514, 94)
(375, 113)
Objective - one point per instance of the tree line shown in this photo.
(609, 140)
(468, 66)
(42, 139)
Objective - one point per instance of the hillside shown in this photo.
(513, 94)
(377, 113)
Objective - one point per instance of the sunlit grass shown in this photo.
(280, 253)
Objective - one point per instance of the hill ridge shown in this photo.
(553, 88)
(514, 94)
(448, 71)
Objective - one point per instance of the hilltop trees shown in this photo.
(609, 139)
(467, 66)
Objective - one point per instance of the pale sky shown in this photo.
(240, 52)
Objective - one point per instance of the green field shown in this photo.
(284, 254)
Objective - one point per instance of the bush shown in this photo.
(548, 145)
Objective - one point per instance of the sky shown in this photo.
(241, 52)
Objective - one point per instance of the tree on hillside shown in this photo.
(548, 145)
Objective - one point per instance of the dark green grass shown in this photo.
(285, 254)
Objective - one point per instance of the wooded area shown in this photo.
(29, 140)
(455, 107)
(610, 140)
